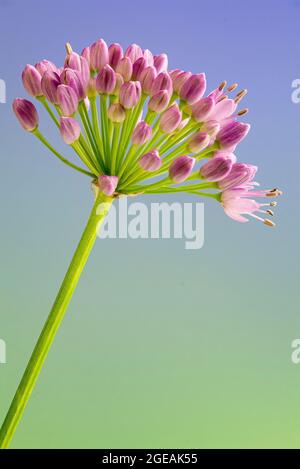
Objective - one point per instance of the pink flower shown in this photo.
(181, 168)
(193, 88)
(69, 130)
(108, 184)
(32, 78)
(151, 161)
(26, 114)
(170, 119)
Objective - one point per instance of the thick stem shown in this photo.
(40, 352)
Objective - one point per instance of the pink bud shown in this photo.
(225, 154)
(106, 80)
(73, 78)
(193, 88)
(124, 68)
(73, 61)
(170, 119)
(198, 142)
(108, 184)
(230, 135)
(179, 77)
(163, 81)
(31, 78)
(133, 52)
(201, 109)
(211, 127)
(138, 67)
(216, 168)
(181, 168)
(159, 102)
(26, 114)
(142, 133)
(119, 83)
(223, 109)
(99, 55)
(67, 100)
(116, 113)
(46, 66)
(49, 84)
(115, 54)
(69, 130)
(147, 78)
(161, 63)
(86, 53)
(240, 173)
(130, 94)
(151, 161)
(148, 56)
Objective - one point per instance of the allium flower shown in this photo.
(154, 131)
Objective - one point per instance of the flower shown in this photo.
(157, 131)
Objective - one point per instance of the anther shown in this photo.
(68, 48)
(232, 87)
(222, 85)
(269, 223)
(242, 112)
(270, 212)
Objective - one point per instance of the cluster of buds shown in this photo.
(141, 128)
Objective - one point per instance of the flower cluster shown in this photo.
(141, 128)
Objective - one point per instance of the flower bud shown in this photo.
(86, 53)
(108, 184)
(49, 84)
(151, 161)
(161, 63)
(163, 81)
(216, 168)
(148, 56)
(223, 109)
(46, 66)
(211, 127)
(240, 173)
(119, 83)
(133, 52)
(106, 80)
(130, 94)
(67, 100)
(230, 135)
(141, 134)
(69, 130)
(198, 142)
(226, 154)
(193, 88)
(179, 77)
(170, 119)
(124, 68)
(73, 78)
(116, 113)
(115, 54)
(181, 168)
(98, 55)
(147, 78)
(159, 102)
(202, 109)
(138, 67)
(73, 61)
(26, 114)
(31, 78)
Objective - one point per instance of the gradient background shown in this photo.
(161, 347)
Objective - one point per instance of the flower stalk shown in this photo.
(40, 352)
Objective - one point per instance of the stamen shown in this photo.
(68, 48)
(274, 193)
(270, 212)
(273, 204)
(240, 96)
(242, 112)
(269, 223)
(222, 85)
(232, 87)
(222, 98)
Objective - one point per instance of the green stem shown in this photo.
(42, 139)
(95, 120)
(53, 322)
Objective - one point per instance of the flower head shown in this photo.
(157, 131)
